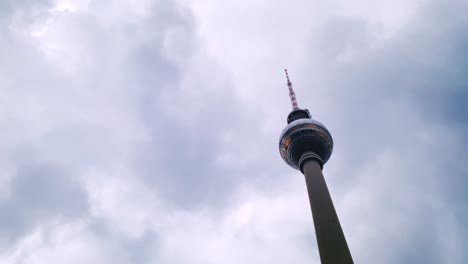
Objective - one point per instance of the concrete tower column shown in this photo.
(331, 241)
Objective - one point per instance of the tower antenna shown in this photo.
(292, 95)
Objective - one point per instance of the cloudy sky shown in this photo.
(140, 131)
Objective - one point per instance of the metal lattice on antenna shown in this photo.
(292, 95)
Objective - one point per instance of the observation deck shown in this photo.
(304, 135)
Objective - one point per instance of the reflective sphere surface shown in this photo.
(304, 135)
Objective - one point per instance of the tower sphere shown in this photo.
(305, 135)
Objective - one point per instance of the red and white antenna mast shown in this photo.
(292, 95)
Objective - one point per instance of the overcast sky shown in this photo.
(139, 131)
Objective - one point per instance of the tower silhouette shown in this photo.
(306, 144)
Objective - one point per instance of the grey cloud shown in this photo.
(417, 67)
(40, 190)
(22, 13)
(184, 153)
(401, 99)
(150, 76)
(40, 193)
(105, 83)
(122, 249)
(187, 121)
(70, 118)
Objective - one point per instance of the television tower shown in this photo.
(306, 145)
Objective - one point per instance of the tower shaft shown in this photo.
(331, 241)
